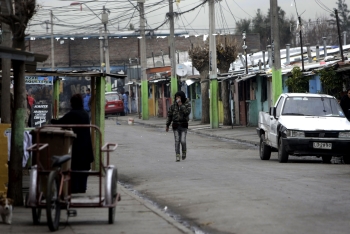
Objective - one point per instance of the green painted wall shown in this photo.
(257, 105)
(253, 114)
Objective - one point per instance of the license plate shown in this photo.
(322, 145)
(111, 105)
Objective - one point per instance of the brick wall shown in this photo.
(83, 53)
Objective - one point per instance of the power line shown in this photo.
(223, 19)
(320, 4)
(231, 12)
(201, 4)
(243, 9)
(189, 24)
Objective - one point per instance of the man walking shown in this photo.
(178, 114)
(87, 102)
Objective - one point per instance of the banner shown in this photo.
(46, 80)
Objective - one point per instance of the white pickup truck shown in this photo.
(304, 125)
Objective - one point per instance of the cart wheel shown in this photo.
(111, 211)
(36, 215)
(53, 208)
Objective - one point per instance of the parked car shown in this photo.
(114, 103)
(304, 125)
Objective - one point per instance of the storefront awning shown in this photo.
(242, 78)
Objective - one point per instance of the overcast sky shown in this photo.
(72, 18)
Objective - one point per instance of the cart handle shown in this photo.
(37, 147)
(105, 147)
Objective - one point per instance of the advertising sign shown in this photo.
(41, 114)
(47, 80)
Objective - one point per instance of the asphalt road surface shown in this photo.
(224, 187)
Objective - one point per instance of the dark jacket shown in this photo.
(179, 115)
(345, 105)
(82, 153)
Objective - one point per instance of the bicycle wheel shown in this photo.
(113, 191)
(53, 208)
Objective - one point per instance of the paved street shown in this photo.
(223, 186)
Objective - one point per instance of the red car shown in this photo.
(114, 103)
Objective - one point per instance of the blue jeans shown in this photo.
(126, 108)
(180, 137)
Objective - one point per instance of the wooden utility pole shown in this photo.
(104, 20)
(339, 37)
(173, 81)
(144, 81)
(276, 56)
(52, 44)
(6, 69)
(214, 111)
(301, 44)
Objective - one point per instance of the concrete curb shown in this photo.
(155, 210)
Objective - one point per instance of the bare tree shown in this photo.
(313, 31)
(18, 16)
(226, 49)
(200, 60)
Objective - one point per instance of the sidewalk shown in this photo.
(133, 215)
(235, 133)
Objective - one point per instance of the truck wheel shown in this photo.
(326, 159)
(282, 153)
(265, 150)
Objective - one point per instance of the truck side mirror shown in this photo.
(273, 111)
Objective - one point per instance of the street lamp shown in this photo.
(245, 51)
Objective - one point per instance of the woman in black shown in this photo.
(345, 104)
(82, 153)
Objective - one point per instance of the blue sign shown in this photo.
(46, 80)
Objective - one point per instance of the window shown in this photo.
(312, 106)
(279, 107)
(112, 97)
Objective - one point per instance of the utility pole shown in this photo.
(6, 73)
(339, 37)
(245, 52)
(144, 81)
(214, 111)
(101, 51)
(106, 49)
(301, 44)
(173, 80)
(52, 44)
(276, 56)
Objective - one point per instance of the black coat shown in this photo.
(345, 105)
(82, 152)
